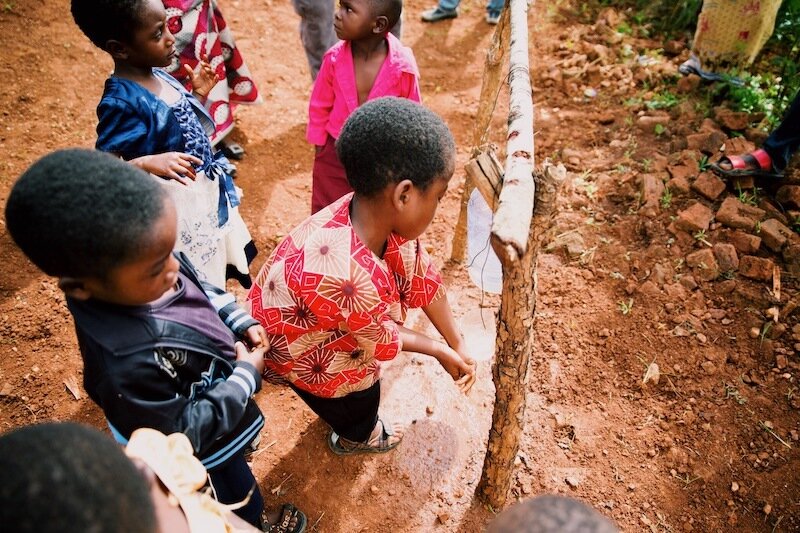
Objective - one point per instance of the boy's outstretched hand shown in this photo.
(460, 366)
(254, 357)
(204, 79)
(256, 337)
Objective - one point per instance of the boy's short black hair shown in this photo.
(391, 9)
(81, 213)
(66, 477)
(104, 20)
(390, 139)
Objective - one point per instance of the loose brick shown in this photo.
(791, 258)
(726, 257)
(754, 267)
(735, 214)
(774, 234)
(696, 217)
(679, 185)
(732, 120)
(744, 242)
(789, 196)
(708, 143)
(681, 172)
(708, 185)
(704, 264)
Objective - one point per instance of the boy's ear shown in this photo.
(117, 49)
(74, 288)
(401, 194)
(381, 24)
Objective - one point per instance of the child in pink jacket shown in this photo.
(368, 62)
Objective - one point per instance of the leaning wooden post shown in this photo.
(490, 87)
(515, 244)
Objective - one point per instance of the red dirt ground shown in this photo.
(654, 457)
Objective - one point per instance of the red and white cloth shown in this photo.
(199, 28)
(332, 308)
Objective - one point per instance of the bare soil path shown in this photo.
(711, 445)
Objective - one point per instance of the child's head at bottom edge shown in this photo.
(400, 156)
(103, 227)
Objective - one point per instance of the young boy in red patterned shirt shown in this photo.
(334, 293)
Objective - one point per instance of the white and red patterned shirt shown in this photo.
(332, 308)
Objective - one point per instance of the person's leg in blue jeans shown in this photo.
(316, 30)
(785, 140)
(446, 9)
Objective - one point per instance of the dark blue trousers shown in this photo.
(232, 482)
(785, 140)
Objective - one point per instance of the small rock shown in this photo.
(6, 390)
(780, 361)
(374, 489)
(709, 367)
(689, 83)
(429, 410)
(604, 333)
(767, 509)
(754, 332)
(702, 338)
(443, 517)
(734, 487)
(726, 257)
(573, 481)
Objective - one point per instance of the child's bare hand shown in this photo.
(461, 368)
(204, 79)
(170, 165)
(256, 337)
(254, 357)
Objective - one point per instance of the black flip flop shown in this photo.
(288, 512)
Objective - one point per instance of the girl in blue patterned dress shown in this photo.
(149, 119)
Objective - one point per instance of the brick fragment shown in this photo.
(696, 217)
(726, 257)
(704, 264)
(736, 214)
(709, 185)
(758, 268)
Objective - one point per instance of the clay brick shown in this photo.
(652, 189)
(689, 83)
(754, 267)
(708, 143)
(679, 185)
(791, 258)
(704, 264)
(696, 217)
(732, 120)
(681, 172)
(726, 257)
(735, 214)
(789, 196)
(772, 211)
(745, 243)
(708, 185)
(774, 234)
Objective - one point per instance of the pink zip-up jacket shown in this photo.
(335, 94)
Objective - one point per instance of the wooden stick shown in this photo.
(512, 221)
(490, 88)
(516, 234)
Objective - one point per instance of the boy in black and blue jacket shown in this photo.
(160, 348)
